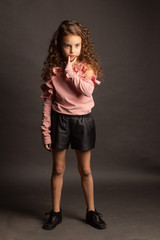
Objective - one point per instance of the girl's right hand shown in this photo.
(71, 62)
(48, 147)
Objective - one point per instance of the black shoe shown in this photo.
(54, 219)
(94, 219)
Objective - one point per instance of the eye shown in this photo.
(77, 45)
(67, 45)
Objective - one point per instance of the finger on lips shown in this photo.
(74, 60)
(69, 59)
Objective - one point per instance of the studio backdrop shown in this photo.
(127, 114)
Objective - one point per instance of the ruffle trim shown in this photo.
(47, 89)
(94, 79)
(82, 68)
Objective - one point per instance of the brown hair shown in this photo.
(55, 56)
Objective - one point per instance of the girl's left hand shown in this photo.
(48, 147)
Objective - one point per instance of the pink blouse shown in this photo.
(67, 92)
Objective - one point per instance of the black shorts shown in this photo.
(74, 129)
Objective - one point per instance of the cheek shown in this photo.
(64, 52)
(79, 51)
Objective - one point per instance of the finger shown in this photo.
(68, 59)
(74, 60)
(51, 148)
(48, 147)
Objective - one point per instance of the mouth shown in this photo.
(72, 56)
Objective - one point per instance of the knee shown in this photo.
(58, 171)
(85, 172)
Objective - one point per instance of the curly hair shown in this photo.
(55, 57)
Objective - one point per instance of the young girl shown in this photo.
(70, 72)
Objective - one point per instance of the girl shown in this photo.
(70, 72)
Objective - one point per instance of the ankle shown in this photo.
(90, 209)
(56, 210)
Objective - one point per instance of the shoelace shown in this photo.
(97, 213)
(51, 212)
(98, 216)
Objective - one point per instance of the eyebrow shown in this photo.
(69, 44)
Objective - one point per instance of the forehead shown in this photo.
(72, 39)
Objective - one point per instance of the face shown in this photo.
(71, 46)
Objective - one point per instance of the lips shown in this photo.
(72, 56)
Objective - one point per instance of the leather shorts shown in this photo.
(77, 130)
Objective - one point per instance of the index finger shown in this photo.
(68, 59)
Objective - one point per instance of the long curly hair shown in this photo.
(55, 57)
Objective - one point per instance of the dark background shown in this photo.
(127, 113)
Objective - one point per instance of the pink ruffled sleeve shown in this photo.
(84, 85)
(47, 95)
(47, 89)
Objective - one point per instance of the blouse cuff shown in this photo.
(47, 139)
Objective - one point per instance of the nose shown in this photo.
(72, 49)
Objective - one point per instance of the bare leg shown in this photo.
(57, 177)
(86, 177)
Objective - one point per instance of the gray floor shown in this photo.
(130, 208)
